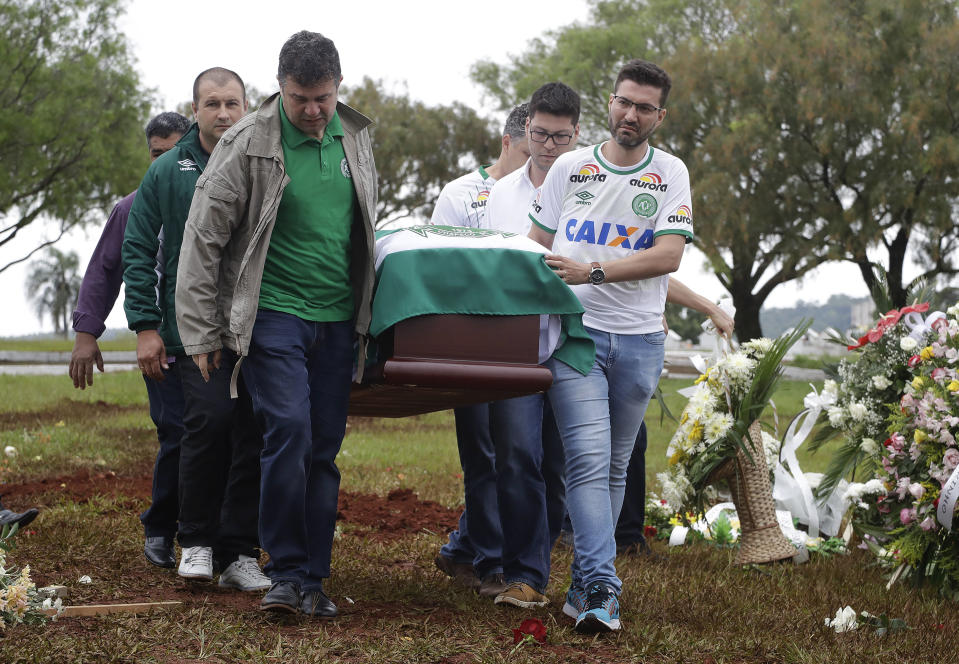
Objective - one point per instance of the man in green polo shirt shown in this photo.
(311, 237)
(277, 265)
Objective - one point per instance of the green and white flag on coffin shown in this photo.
(457, 270)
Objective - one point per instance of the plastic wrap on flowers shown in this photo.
(761, 539)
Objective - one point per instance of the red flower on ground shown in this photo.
(649, 531)
(530, 627)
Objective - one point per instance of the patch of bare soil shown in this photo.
(399, 514)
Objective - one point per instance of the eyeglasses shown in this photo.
(540, 136)
(624, 104)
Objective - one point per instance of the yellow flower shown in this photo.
(685, 417)
(696, 434)
(953, 386)
(917, 382)
(676, 458)
(703, 377)
(919, 435)
(926, 353)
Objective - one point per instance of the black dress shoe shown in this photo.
(282, 597)
(20, 518)
(316, 604)
(159, 551)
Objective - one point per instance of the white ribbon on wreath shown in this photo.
(918, 326)
(947, 500)
(791, 488)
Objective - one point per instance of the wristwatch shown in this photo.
(596, 274)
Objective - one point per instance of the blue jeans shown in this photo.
(599, 416)
(298, 373)
(529, 484)
(478, 539)
(166, 411)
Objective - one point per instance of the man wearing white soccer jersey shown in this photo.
(617, 216)
(462, 202)
(473, 554)
(529, 454)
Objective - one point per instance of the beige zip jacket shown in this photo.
(231, 220)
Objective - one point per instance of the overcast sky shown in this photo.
(427, 46)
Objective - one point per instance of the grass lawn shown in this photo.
(686, 605)
(123, 341)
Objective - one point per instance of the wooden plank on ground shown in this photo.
(104, 609)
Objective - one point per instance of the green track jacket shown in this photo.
(151, 244)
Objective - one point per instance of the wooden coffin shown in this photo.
(442, 361)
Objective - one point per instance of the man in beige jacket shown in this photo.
(277, 264)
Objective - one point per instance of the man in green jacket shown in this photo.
(219, 465)
(277, 265)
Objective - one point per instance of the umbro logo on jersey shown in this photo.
(650, 181)
(187, 165)
(588, 173)
(584, 198)
(481, 199)
(607, 234)
(683, 215)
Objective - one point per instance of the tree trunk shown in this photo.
(747, 313)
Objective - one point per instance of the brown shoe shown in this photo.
(492, 585)
(461, 573)
(521, 595)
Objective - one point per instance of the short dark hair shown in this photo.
(220, 76)
(645, 73)
(168, 122)
(516, 122)
(309, 58)
(556, 99)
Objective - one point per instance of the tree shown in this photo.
(53, 284)
(687, 323)
(812, 130)
(419, 148)
(72, 112)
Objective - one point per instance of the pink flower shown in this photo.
(928, 523)
(916, 490)
(939, 373)
(950, 459)
(905, 516)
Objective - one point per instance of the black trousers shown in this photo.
(219, 463)
(629, 528)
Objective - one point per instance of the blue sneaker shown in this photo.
(575, 601)
(601, 613)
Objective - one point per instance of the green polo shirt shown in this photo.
(307, 271)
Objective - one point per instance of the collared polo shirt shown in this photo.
(509, 201)
(307, 270)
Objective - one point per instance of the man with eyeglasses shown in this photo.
(617, 216)
(529, 454)
(473, 554)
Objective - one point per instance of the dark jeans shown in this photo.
(219, 463)
(629, 528)
(528, 467)
(299, 375)
(166, 411)
(479, 537)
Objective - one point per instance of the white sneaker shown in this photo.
(245, 574)
(196, 563)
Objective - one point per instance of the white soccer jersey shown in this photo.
(509, 200)
(462, 202)
(601, 212)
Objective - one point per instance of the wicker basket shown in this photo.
(761, 540)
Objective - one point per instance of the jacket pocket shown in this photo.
(215, 190)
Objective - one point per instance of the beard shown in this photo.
(627, 140)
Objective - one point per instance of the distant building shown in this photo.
(863, 314)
